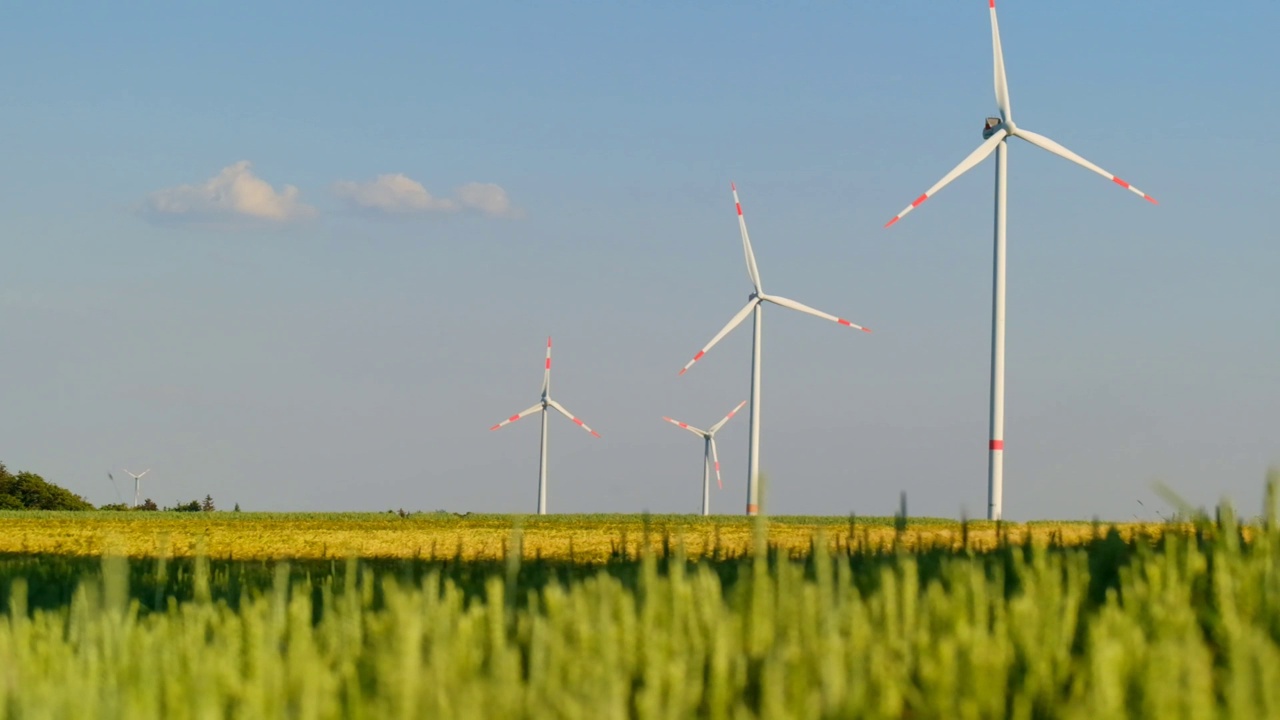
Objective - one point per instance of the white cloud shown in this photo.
(396, 193)
(400, 194)
(235, 191)
(488, 198)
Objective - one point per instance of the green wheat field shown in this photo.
(108, 616)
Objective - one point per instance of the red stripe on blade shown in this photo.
(842, 321)
(495, 427)
(1150, 199)
(739, 206)
(699, 355)
(577, 421)
(891, 222)
(548, 363)
(513, 418)
(997, 445)
(917, 201)
(1120, 182)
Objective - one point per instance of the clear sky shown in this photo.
(302, 256)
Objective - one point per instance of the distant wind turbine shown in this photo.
(137, 486)
(116, 488)
(755, 304)
(544, 405)
(996, 133)
(709, 454)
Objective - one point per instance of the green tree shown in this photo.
(29, 491)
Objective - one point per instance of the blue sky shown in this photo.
(470, 178)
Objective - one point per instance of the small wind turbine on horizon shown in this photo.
(755, 304)
(137, 486)
(709, 454)
(116, 488)
(545, 404)
(995, 134)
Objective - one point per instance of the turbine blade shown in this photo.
(1045, 143)
(752, 271)
(975, 157)
(716, 458)
(1002, 82)
(546, 372)
(789, 303)
(734, 322)
(686, 426)
(726, 418)
(517, 416)
(569, 415)
(144, 472)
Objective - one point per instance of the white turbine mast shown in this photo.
(996, 133)
(545, 404)
(709, 454)
(755, 304)
(137, 486)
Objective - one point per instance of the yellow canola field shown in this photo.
(594, 538)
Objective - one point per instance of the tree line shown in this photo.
(28, 491)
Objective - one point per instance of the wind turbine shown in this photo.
(136, 485)
(545, 404)
(709, 453)
(115, 487)
(995, 133)
(755, 304)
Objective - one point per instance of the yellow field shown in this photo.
(591, 538)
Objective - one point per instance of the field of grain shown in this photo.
(145, 615)
(580, 538)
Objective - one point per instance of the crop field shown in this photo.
(575, 538)
(168, 616)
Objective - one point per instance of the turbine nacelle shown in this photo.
(990, 127)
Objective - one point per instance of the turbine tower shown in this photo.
(545, 404)
(137, 486)
(996, 133)
(709, 453)
(755, 304)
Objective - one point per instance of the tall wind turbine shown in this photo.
(709, 453)
(755, 304)
(136, 485)
(545, 404)
(995, 133)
